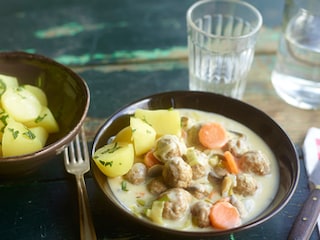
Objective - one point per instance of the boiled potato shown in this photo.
(4, 120)
(163, 121)
(21, 104)
(18, 139)
(7, 82)
(38, 93)
(40, 133)
(124, 135)
(114, 159)
(143, 135)
(46, 120)
(25, 119)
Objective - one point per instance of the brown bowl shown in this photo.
(68, 99)
(249, 116)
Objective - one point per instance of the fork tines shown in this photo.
(75, 153)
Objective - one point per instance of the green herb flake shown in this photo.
(124, 186)
(3, 119)
(40, 118)
(29, 134)
(105, 163)
(15, 133)
(112, 149)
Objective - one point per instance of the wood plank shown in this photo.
(126, 81)
(114, 31)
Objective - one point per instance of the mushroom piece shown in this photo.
(239, 205)
(198, 190)
(228, 182)
(237, 146)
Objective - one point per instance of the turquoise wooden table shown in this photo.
(125, 50)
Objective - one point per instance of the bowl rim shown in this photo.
(252, 223)
(60, 144)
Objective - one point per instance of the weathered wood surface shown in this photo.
(118, 46)
(259, 91)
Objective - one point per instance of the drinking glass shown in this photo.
(221, 41)
(296, 75)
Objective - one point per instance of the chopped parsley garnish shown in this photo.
(15, 133)
(124, 186)
(40, 118)
(105, 163)
(3, 119)
(112, 149)
(29, 134)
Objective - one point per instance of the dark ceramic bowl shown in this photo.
(249, 116)
(68, 99)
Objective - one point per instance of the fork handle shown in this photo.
(87, 230)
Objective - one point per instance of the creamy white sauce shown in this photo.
(137, 197)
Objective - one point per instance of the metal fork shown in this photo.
(76, 160)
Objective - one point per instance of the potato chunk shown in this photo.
(162, 120)
(7, 82)
(38, 93)
(18, 139)
(46, 120)
(143, 136)
(21, 104)
(114, 159)
(124, 135)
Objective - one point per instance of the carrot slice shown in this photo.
(150, 160)
(231, 163)
(212, 135)
(223, 215)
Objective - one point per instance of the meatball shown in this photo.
(177, 203)
(200, 213)
(157, 186)
(237, 146)
(177, 173)
(169, 146)
(246, 185)
(255, 162)
(137, 173)
(198, 171)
